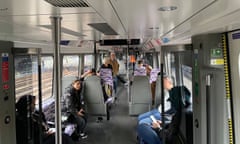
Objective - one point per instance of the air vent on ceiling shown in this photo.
(104, 28)
(68, 3)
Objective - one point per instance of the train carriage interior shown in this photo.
(45, 45)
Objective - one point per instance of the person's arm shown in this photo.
(85, 74)
(118, 67)
(69, 102)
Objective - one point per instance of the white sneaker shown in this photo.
(83, 135)
(109, 100)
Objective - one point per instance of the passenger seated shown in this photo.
(140, 70)
(29, 122)
(145, 117)
(106, 74)
(148, 68)
(154, 133)
(74, 103)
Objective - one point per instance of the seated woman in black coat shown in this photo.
(30, 124)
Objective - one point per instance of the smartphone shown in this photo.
(153, 118)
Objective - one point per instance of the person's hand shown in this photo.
(156, 124)
(49, 132)
(88, 71)
(81, 112)
(160, 122)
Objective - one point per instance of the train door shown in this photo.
(7, 100)
(210, 114)
(234, 80)
(178, 65)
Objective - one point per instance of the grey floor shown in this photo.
(120, 129)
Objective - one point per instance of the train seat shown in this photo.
(140, 97)
(93, 95)
(48, 108)
(158, 91)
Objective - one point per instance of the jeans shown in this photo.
(145, 117)
(147, 135)
(81, 123)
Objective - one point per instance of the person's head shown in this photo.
(140, 62)
(25, 104)
(112, 56)
(76, 84)
(93, 71)
(105, 60)
(167, 82)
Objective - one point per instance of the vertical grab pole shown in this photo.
(40, 92)
(95, 54)
(128, 78)
(208, 84)
(162, 100)
(56, 34)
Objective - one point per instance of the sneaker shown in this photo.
(99, 119)
(83, 135)
(109, 100)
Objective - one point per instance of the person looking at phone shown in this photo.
(145, 117)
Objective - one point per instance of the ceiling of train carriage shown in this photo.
(165, 20)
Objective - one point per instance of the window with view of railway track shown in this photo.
(26, 76)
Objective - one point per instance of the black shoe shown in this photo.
(99, 119)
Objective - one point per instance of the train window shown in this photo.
(26, 76)
(70, 65)
(149, 59)
(187, 77)
(47, 77)
(88, 62)
(170, 65)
